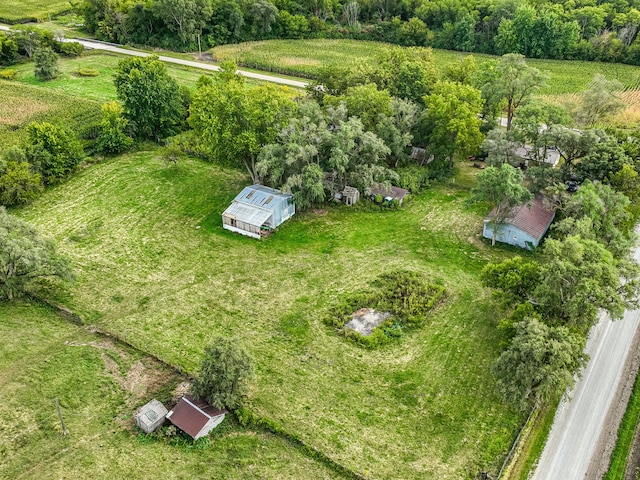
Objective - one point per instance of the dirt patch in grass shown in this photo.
(366, 319)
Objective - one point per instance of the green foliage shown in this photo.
(87, 72)
(8, 74)
(322, 152)
(69, 49)
(19, 184)
(151, 98)
(235, 123)
(600, 100)
(404, 294)
(52, 150)
(540, 363)
(46, 64)
(451, 120)
(502, 188)
(514, 279)
(112, 138)
(26, 257)
(224, 374)
(8, 50)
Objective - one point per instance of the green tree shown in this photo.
(185, 17)
(540, 363)
(598, 212)
(8, 49)
(600, 100)
(46, 64)
(581, 276)
(235, 123)
(19, 184)
(513, 83)
(463, 70)
(514, 279)
(224, 374)
(365, 102)
(112, 137)
(151, 98)
(26, 257)
(502, 188)
(52, 151)
(451, 120)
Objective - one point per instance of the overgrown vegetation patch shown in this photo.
(396, 302)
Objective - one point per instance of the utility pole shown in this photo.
(64, 428)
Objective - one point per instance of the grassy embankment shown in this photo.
(423, 407)
(100, 384)
(626, 434)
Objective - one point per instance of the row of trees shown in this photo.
(546, 29)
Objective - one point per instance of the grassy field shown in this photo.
(98, 88)
(21, 11)
(22, 104)
(100, 384)
(423, 407)
(306, 56)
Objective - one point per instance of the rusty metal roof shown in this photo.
(532, 217)
(191, 415)
(393, 192)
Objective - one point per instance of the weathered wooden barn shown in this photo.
(194, 417)
(524, 225)
(257, 210)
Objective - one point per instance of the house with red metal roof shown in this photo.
(195, 417)
(523, 226)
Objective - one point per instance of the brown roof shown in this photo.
(393, 192)
(191, 415)
(532, 217)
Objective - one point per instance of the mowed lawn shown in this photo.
(307, 56)
(100, 384)
(156, 268)
(19, 11)
(99, 88)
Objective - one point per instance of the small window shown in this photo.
(268, 201)
(250, 194)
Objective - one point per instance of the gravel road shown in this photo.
(585, 426)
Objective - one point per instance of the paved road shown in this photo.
(580, 424)
(178, 61)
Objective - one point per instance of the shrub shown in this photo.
(404, 294)
(87, 72)
(8, 74)
(19, 184)
(8, 50)
(46, 63)
(52, 150)
(112, 137)
(69, 49)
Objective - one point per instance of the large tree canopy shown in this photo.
(26, 257)
(151, 98)
(235, 122)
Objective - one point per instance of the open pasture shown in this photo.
(100, 384)
(423, 407)
(304, 57)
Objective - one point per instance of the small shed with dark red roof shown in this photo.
(524, 225)
(195, 417)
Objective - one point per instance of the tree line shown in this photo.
(606, 31)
